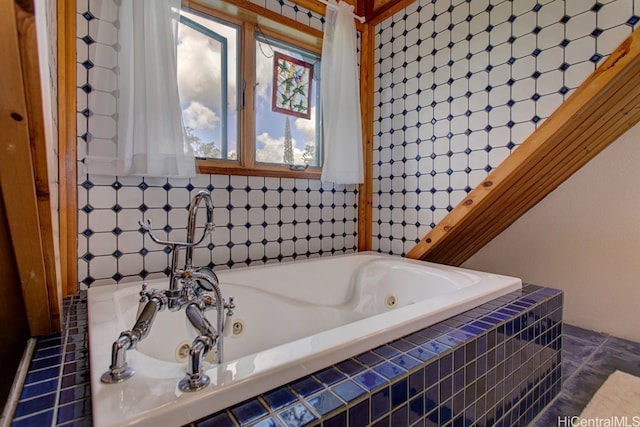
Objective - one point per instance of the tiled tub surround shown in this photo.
(258, 220)
(458, 85)
(496, 364)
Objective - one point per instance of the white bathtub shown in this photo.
(297, 317)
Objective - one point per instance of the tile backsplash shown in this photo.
(258, 219)
(458, 85)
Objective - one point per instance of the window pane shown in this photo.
(208, 84)
(285, 138)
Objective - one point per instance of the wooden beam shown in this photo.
(17, 175)
(605, 106)
(365, 195)
(67, 146)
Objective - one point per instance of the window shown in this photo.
(227, 70)
(208, 84)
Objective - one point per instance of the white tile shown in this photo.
(576, 7)
(178, 217)
(102, 267)
(155, 197)
(128, 219)
(102, 244)
(478, 120)
(102, 79)
(459, 124)
(458, 162)
(500, 54)
(102, 127)
(476, 177)
(478, 159)
(102, 220)
(499, 96)
(550, 13)
(550, 60)
(524, 45)
(479, 42)
(614, 13)
(550, 82)
(499, 116)
(521, 7)
(478, 81)
(478, 101)
(499, 75)
(523, 89)
(610, 39)
(103, 56)
(523, 67)
(578, 73)
(239, 217)
(580, 25)
(479, 22)
(580, 50)
(498, 155)
(500, 34)
(130, 264)
(479, 62)
(102, 197)
(547, 104)
(523, 111)
(500, 13)
(524, 23)
(551, 36)
(521, 131)
(239, 253)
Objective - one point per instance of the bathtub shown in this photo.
(291, 320)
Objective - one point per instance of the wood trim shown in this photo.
(605, 106)
(388, 10)
(365, 195)
(25, 18)
(17, 173)
(214, 167)
(67, 146)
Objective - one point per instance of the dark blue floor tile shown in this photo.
(576, 350)
(592, 337)
(621, 345)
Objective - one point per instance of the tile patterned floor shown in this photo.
(588, 358)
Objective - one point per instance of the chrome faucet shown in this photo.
(187, 289)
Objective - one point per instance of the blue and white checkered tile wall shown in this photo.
(258, 220)
(460, 84)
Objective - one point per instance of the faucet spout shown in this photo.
(191, 224)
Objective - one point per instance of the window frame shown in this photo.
(251, 23)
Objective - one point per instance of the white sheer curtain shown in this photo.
(341, 97)
(150, 135)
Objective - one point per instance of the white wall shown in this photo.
(584, 238)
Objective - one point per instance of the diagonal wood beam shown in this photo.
(605, 106)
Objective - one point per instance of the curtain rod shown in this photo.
(333, 6)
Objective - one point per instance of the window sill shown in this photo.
(224, 168)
